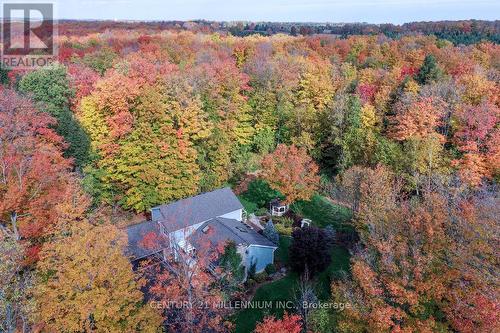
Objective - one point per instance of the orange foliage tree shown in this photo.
(289, 324)
(417, 118)
(291, 171)
(34, 172)
(478, 139)
(420, 259)
(184, 288)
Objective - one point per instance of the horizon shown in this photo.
(396, 12)
(250, 21)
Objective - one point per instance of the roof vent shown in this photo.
(242, 229)
(206, 229)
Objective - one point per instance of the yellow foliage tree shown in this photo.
(86, 283)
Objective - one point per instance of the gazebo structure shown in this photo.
(277, 207)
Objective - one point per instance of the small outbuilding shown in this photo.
(278, 207)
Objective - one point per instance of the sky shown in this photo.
(371, 11)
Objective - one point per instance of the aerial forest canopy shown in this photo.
(169, 115)
(406, 130)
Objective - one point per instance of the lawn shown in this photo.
(323, 213)
(285, 288)
(281, 290)
(281, 254)
(339, 264)
(249, 206)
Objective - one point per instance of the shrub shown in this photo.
(271, 233)
(285, 221)
(296, 218)
(270, 269)
(284, 225)
(261, 212)
(310, 249)
(261, 277)
(283, 230)
(251, 283)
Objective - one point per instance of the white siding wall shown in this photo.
(181, 235)
(235, 215)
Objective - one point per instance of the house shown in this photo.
(277, 207)
(209, 218)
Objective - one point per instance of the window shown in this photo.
(155, 214)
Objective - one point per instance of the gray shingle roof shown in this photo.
(197, 209)
(144, 240)
(222, 230)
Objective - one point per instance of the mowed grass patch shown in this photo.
(277, 291)
(323, 212)
(286, 288)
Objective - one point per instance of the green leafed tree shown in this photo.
(49, 86)
(233, 272)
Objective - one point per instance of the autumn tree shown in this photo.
(187, 291)
(311, 96)
(359, 134)
(289, 324)
(476, 137)
(417, 118)
(221, 87)
(265, 117)
(473, 296)
(144, 136)
(82, 81)
(15, 304)
(396, 287)
(292, 172)
(34, 172)
(101, 60)
(404, 274)
(85, 281)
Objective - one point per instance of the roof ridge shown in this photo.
(131, 226)
(192, 197)
(229, 228)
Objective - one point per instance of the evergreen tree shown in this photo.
(429, 71)
(271, 233)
